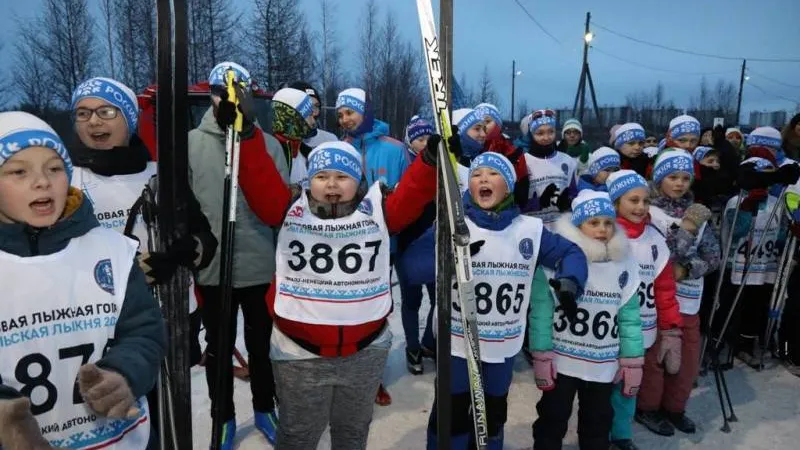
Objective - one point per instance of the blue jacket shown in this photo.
(385, 158)
(140, 336)
(555, 252)
(586, 182)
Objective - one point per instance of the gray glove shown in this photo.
(107, 392)
(18, 428)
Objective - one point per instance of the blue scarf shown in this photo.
(491, 220)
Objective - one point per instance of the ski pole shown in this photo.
(779, 292)
(748, 265)
(230, 190)
(725, 255)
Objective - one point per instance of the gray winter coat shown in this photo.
(254, 254)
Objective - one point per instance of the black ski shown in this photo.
(173, 171)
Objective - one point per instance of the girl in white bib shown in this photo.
(82, 339)
(695, 251)
(586, 344)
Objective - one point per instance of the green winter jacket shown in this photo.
(540, 316)
(254, 246)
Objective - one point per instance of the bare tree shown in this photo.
(107, 10)
(34, 89)
(522, 108)
(650, 108)
(212, 35)
(66, 49)
(274, 33)
(369, 34)
(136, 40)
(330, 57)
(486, 92)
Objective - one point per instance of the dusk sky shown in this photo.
(498, 31)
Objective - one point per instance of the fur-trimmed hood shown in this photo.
(617, 249)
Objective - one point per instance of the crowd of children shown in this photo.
(609, 261)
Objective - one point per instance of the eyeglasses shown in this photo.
(543, 112)
(103, 112)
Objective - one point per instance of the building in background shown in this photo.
(775, 119)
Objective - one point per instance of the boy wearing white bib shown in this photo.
(506, 247)
(661, 320)
(695, 252)
(331, 294)
(82, 337)
(587, 347)
(750, 318)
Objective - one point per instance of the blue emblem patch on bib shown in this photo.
(526, 248)
(104, 275)
(655, 252)
(565, 168)
(366, 207)
(623, 279)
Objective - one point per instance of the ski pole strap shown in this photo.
(132, 216)
(230, 85)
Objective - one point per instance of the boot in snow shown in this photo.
(655, 422)
(383, 398)
(681, 422)
(228, 435)
(414, 362)
(267, 424)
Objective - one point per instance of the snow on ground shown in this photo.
(767, 405)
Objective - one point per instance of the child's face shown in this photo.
(487, 187)
(331, 187)
(544, 135)
(651, 141)
(735, 139)
(687, 142)
(33, 187)
(478, 132)
(711, 161)
(489, 124)
(599, 228)
(100, 125)
(418, 144)
(632, 149)
(634, 205)
(676, 185)
(349, 119)
(707, 138)
(602, 176)
(573, 137)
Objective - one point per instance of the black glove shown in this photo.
(567, 291)
(748, 178)
(546, 200)
(226, 110)
(787, 174)
(431, 152)
(159, 267)
(475, 247)
(564, 203)
(454, 142)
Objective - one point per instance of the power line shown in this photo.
(690, 52)
(796, 102)
(637, 64)
(530, 16)
(761, 75)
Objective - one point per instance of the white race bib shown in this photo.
(60, 312)
(652, 255)
(542, 172)
(334, 272)
(764, 259)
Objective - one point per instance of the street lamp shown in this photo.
(588, 37)
(514, 74)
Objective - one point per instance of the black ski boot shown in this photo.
(428, 352)
(655, 422)
(623, 444)
(681, 422)
(414, 361)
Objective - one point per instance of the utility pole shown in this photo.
(586, 77)
(741, 88)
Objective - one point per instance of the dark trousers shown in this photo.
(555, 408)
(749, 319)
(789, 333)
(409, 308)
(257, 332)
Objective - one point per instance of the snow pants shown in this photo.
(624, 410)
(496, 382)
(409, 308)
(555, 408)
(257, 333)
(318, 392)
(749, 320)
(660, 390)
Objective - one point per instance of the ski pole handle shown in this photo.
(233, 97)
